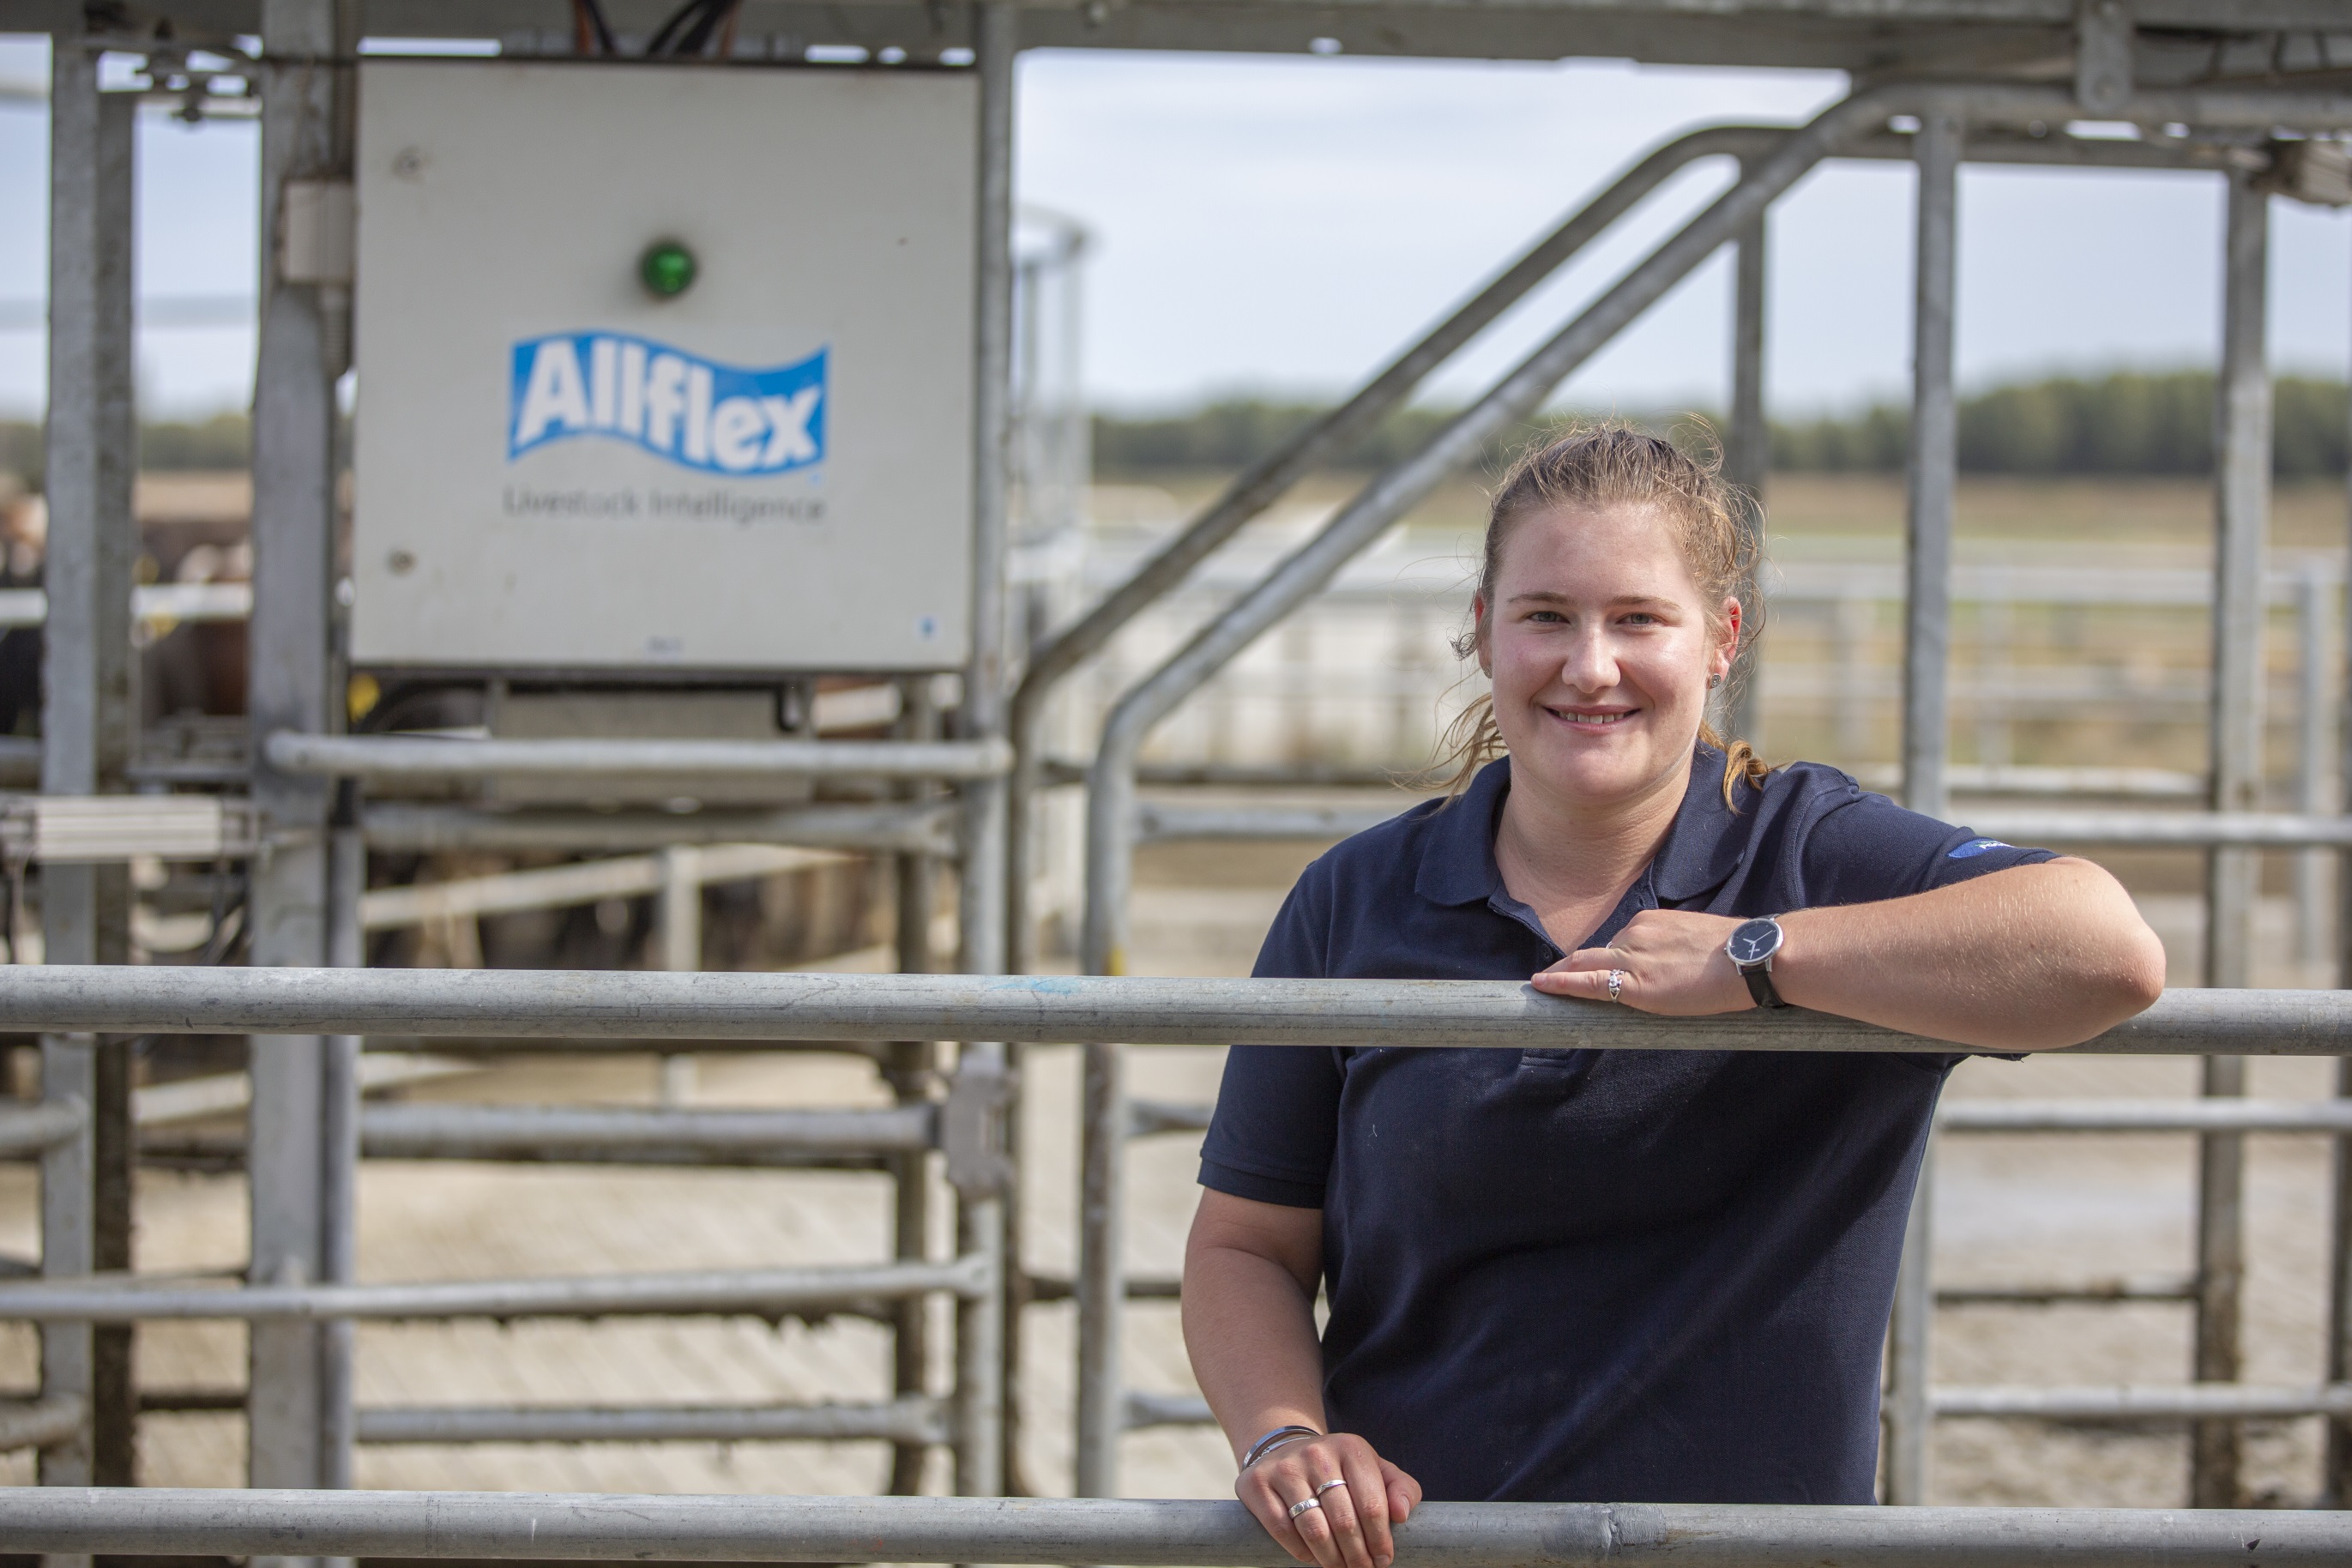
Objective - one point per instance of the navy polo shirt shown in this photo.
(1598, 1275)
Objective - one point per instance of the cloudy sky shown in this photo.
(1281, 225)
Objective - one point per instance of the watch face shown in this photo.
(1754, 941)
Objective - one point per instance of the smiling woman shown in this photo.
(1632, 1277)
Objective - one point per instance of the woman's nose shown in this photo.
(1590, 664)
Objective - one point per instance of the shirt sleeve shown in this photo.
(1867, 848)
(1277, 1117)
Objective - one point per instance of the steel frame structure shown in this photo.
(1946, 118)
(2212, 65)
(306, 1129)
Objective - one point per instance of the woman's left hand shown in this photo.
(1671, 961)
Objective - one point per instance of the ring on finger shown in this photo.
(1616, 984)
(1304, 1505)
(1327, 1486)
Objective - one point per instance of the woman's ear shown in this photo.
(1727, 646)
(1478, 636)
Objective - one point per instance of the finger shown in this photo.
(1291, 1477)
(1405, 1493)
(1588, 959)
(1592, 984)
(1368, 1494)
(1268, 1508)
(1346, 1524)
(1313, 1527)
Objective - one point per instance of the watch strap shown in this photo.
(1759, 983)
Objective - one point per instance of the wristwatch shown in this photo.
(1750, 950)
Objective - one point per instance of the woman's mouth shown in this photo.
(1592, 717)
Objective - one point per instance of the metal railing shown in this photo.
(1156, 1534)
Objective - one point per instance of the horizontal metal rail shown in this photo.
(914, 827)
(427, 1131)
(1167, 1410)
(523, 1525)
(916, 1418)
(381, 758)
(1160, 822)
(583, 882)
(1140, 1287)
(36, 1423)
(1148, 1117)
(2129, 1403)
(128, 1298)
(29, 1129)
(1045, 1009)
(2134, 1288)
(2183, 1401)
(2144, 1116)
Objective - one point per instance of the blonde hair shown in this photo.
(1612, 464)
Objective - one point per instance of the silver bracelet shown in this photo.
(1280, 1437)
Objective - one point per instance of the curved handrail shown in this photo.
(1268, 478)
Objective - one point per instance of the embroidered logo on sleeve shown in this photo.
(1976, 847)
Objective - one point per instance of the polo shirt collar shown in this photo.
(1700, 852)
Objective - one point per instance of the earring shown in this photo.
(1713, 681)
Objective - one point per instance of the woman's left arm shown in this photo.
(2032, 958)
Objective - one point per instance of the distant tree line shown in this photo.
(222, 441)
(2126, 423)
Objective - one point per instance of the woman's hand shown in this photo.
(1673, 962)
(1350, 1530)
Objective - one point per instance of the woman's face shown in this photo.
(1601, 651)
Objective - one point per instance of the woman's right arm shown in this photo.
(1251, 1270)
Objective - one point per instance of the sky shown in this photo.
(1281, 225)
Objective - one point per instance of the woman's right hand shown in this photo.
(1350, 1530)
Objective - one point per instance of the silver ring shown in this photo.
(1303, 1504)
(1616, 984)
(1327, 1486)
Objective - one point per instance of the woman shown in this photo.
(1575, 1275)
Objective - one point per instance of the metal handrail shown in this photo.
(377, 758)
(523, 1525)
(134, 1298)
(1268, 480)
(1041, 1009)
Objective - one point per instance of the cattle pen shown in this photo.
(680, 729)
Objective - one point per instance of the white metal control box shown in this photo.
(559, 467)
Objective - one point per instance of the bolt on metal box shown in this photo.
(664, 366)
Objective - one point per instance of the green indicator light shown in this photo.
(667, 268)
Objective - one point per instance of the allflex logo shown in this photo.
(696, 413)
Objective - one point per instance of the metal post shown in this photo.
(1927, 738)
(2336, 1477)
(1102, 1270)
(2314, 598)
(1910, 1419)
(1747, 464)
(2241, 531)
(1934, 460)
(981, 892)
(679, 930)
(912, 1067)
(87, 718)
(338, 1142)
(293, 532)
